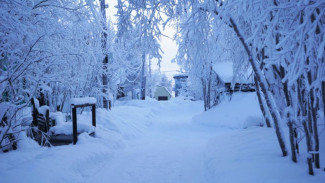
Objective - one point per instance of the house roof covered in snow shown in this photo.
(176, 76)
(224, 70)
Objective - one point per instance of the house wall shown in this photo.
(162, 92)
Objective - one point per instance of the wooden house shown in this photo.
(231, 83)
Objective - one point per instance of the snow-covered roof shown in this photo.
(226, 73)
(164, 88)
(180, 76)
(224, 70)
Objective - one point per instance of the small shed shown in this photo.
(180, 83)
(161, 93)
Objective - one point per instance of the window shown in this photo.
(162, 98)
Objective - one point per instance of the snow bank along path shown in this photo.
(165, 142)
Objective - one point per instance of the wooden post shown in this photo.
(109, 104)
(74, 119)
(93, 108)
(74, 124)
(34, 112)
(47, 120)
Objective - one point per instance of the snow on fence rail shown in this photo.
(82, 101)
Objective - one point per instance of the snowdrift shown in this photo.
(75, 163)
(241, 111)
(253, 155)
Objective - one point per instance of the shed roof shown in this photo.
(158, 87)
(176, 76)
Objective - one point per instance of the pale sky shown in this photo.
(168, 46)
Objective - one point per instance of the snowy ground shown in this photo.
(167, 142)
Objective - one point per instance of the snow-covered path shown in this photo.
(221, 145)
(165, 142)
(171, 151)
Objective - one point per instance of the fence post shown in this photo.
(47, 120)
(93, 108)
(74, 125)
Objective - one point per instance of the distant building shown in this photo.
(180, 82)
(231, 83)
(161, 93)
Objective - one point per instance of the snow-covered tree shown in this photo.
(50, 50)
(283, 41)
(165, 82)
(54, 50)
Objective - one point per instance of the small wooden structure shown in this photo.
(43, 122)
(74, 118)
(161, 93)
(239, 87)
(40, 120)
(180, 82)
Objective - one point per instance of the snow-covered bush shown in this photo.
(12, 121)
(49, 49)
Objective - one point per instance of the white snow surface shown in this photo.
(84, 100)
(164, 142)
(43, 109)
(240, 111)
(66, 128)
(224, 70)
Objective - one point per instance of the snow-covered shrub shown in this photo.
(10, 126)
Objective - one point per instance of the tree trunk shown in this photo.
(290, 121)
(292, 141)
(312, 117)
(204, 94)
(260, 101)
(323, 97)
(309, 148)
(150, 80)
(105, 83)
(209, 93)
(105, 60)
(268, 97)
(143, 79)
(307, 134)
